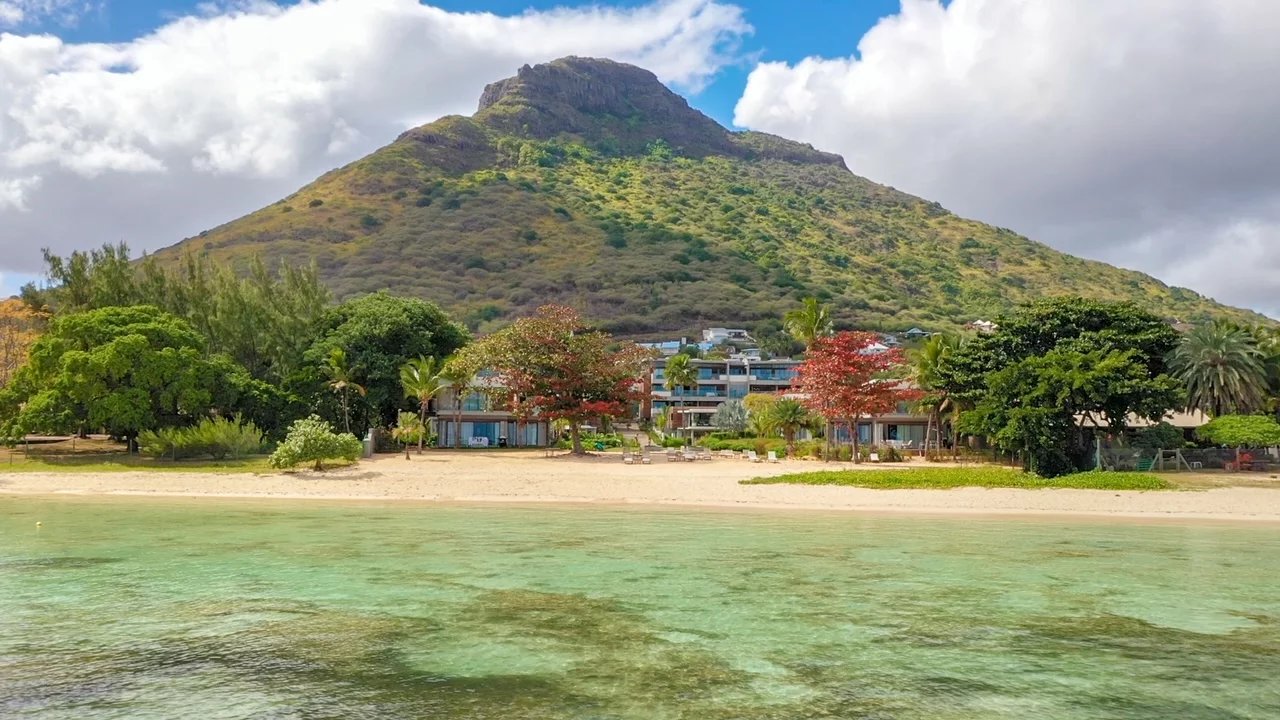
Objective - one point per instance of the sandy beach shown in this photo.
(513, 476)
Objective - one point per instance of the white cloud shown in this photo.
(1142, 132)
(67, 12)
(216, 114)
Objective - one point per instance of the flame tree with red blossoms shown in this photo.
(848, 376)
(552, 366)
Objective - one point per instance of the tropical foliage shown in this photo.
(422, 379)
(732, 416)
(1223, 368)
(679, 377)
(218, 438)
(989, 477)
(1241, 431)
(1055, 369)
(812, 320)
(313, 441)
(124, 370)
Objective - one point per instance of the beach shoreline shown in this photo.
(514, 477)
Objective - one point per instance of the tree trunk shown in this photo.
(791, 443)
(457, 420)
(576, 436)
(928, 430)
(422, 429)
(346, 414)
(853, 437)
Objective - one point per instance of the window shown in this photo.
(475, 402)
(738, 370)
(706, 373)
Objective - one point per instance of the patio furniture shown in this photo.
(627, 459)
(773, 456)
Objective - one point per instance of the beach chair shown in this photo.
(773, 456)
(627, 459)
(705, 454)
(645, 459)
(672, 455)
(753, 457)
(689, 455)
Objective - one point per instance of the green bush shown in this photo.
(1241, 431)
(740, 444)
(593, 440)
(312, 440)
(1160, 436)
(217, 438)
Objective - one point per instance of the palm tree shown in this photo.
(930, 363)
(408, 427)
(1223, 369)
(789, 416)
(458, 376)
(808, 322)
(421, 379)
(341, 382)
(679, 375)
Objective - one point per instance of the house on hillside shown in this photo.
(720, 336)
(915, 333)
(984, 327)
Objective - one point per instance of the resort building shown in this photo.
(719, 381)
(484, 422)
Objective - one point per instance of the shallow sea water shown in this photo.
(146, 609)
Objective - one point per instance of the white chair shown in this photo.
(627, 458)
(773, 456)
(645, 459)
(751, 455)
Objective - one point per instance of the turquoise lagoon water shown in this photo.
(222, 609)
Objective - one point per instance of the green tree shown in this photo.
(422, 380)
(410, 428)
(929, 365)
(312, 440)
(341, 374)
(379, 333)
(1223, 369)
(809, 322)
(731, 415)
(554, 367)
(789, 416)
(1058, 367)
(678, 376)
(120, 369)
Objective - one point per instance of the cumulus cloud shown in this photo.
(1142, 133)
(219, 113)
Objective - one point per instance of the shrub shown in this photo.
(1156, 437)
(740, 444)
(315, 203)
(1241, 431)
(312, 440)
(592, 440)
(217, 438)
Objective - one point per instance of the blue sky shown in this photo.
(1130, 132)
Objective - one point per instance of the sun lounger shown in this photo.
(753, 457)
(645, 459)
(627, 458)
(773, 456)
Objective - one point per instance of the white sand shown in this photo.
(517, 476)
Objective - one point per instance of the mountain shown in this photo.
(587, 182)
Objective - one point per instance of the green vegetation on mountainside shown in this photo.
(648, 216)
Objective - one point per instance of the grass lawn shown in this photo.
(122, 462)
(988, 477)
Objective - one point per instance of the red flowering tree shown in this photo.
(849, 376)
(552, 366)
